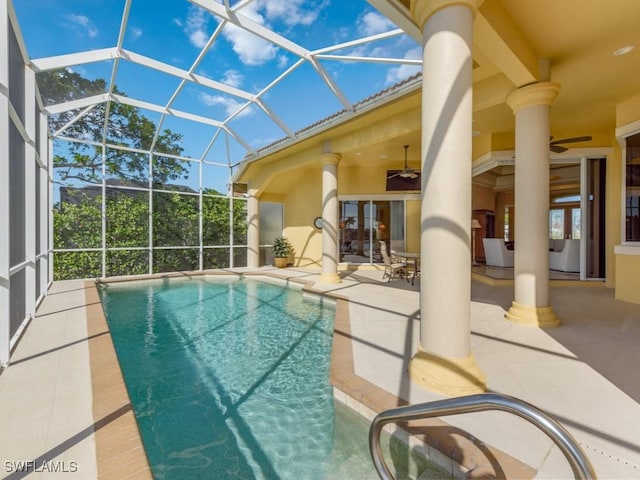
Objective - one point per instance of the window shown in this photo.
(632, 183)
(564, 222)
(556, 223)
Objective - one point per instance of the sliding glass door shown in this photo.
(365, 223)
(594, 208)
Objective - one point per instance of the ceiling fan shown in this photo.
(555, 146)
(406, 172)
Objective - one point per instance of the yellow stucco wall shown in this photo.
(361, 181)
(302, 205)
(614, 212)
(627, 112)
(413, 225)
(626, 265)
(627, 268)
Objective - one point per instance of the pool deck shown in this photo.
(66, 414)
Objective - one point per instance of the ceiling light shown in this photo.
(623, 50)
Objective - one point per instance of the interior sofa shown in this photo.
(496, 253)
(567, 259)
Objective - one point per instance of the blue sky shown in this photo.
(175, 32)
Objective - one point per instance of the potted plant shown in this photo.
(282, 250)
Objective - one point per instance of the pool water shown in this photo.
(229, 379)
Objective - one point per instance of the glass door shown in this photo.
(593, 205)
(364, 223)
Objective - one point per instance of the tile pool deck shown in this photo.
(65, 408)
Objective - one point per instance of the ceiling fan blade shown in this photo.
(586, 138)
(557, 148)
(393, 176)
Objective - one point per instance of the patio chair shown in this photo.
(496, 253)
(393, 268)
(567, 259)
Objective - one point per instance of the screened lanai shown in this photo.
(126, 119)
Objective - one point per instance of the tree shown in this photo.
(126, 127)
(175, 224)
(78, 214)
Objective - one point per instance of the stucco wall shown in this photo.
(625, 260)
(627, 112)
(627, 275)
(413, 225)
(302, 205)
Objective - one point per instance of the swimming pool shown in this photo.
(228, 378)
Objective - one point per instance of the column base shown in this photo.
(330, 278)
(542, 317)
(450, 376)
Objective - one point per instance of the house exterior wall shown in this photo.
(301, 206)
(412, 213)
(627, 257)
(627, 275)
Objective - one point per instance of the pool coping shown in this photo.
(119, 449)
(120, 453)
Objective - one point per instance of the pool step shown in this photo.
(353, 468)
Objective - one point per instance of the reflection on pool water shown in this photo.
(228, 378)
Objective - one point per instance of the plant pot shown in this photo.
(280, 262)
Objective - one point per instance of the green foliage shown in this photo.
(127, 262)
(175, 260)
(70, 265)
(127, 225)
(78, 225)
(282, 247)
(126, 126)
(78, 216)
(175, 220)
(127, 218)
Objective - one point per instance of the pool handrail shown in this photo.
(580, 464)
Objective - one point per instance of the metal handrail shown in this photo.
(579, 462)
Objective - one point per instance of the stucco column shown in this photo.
(253, 229)
(330, 218)
(444, 361)
(531, 258)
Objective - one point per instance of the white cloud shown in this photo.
(233, 78)
(372, 23)
(230, 105)
(254, 50)
(136, 32)
(79, 70)
(196, 26)
(79, 19)
(251, 49)
(82, 22)
(282, 61)
(291, 11)
(397, 74)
